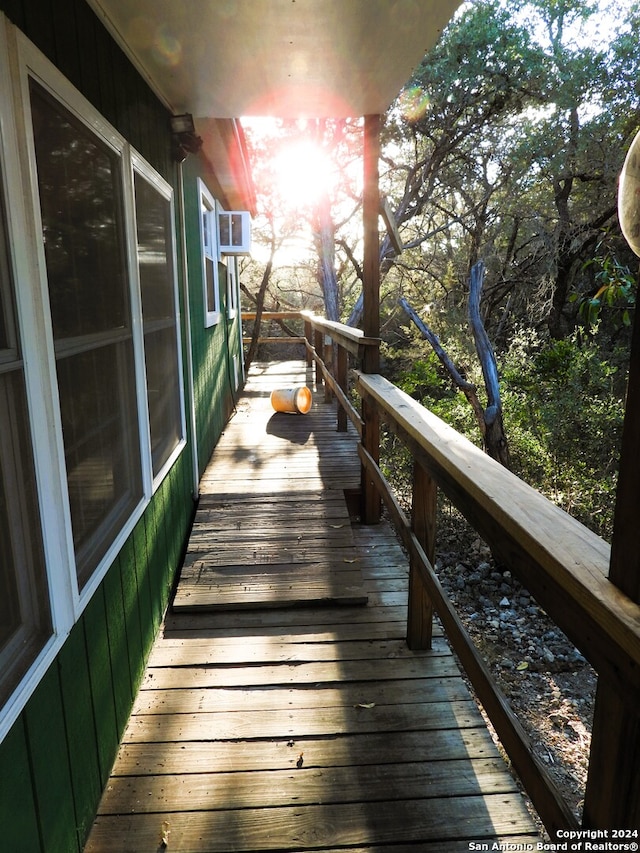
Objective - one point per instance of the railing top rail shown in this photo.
(563, 564)
(272, 315)
(353, 340)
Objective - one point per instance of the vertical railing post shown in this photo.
(371, 506)
(318, 343)
(423, 524)
(342, 379)
(308, 332)
(327, 357)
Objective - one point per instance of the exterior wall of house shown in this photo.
(215, 374)
(56, 757)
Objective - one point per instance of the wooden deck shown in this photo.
(279, 714)
(273, 526)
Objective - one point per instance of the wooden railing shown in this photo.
(329, 346)
(560, 562)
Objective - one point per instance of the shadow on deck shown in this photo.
(281, 709)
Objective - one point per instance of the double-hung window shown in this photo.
(25, 622)
(156, 271)
(210, 255)
(80, 187)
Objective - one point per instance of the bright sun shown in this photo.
(303, 172)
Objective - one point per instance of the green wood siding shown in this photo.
(212, 347)
(20, 831)
(94, 622)
(48, 741)
(56, 759)
(80, 726)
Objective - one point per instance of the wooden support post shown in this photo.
(308, 335)
(371, 265)
(342, 377)
(423, 524)
(327, 357)
(318, 344)
(371, 306)
(612, 797)
(624, 570)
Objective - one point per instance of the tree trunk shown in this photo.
(489, 419)
(255, 335)
(324, 238)
(494, 436)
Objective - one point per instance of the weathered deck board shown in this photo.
(310, 728)
(320, 827)
(270, 554)
(311, 785)
(290, 543)
(359, 750)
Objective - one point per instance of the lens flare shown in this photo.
(413, 104)
(167, 49)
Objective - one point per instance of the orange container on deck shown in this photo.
(294, 400)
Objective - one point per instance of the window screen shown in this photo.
(80, 181)
(155, 264)
(25, 622)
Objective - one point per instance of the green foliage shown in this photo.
(563, 410)
(563, 415)
(616, 289)
(513, 133)
(416, 370)
(422, 378)
(506, 146)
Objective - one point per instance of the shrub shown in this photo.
(563, 411)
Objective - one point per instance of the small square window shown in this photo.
(234, 228)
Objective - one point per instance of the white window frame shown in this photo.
(233, 297)
(22, 234)
(210, 252)
(33, 65)
(225, 224)
(20, 60)
(140, 166)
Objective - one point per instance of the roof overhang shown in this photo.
(224, 148)
(224, 59)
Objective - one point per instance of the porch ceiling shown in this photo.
(223, 59)
(288, 58)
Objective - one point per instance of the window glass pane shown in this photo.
(25, 622)
(164, 398)
(4, 290)
(155, 261)
(100, 427)
(80, 198)
(79, 180)
(23, 583)
(209, 255)
(210, 284)
(10, 619)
